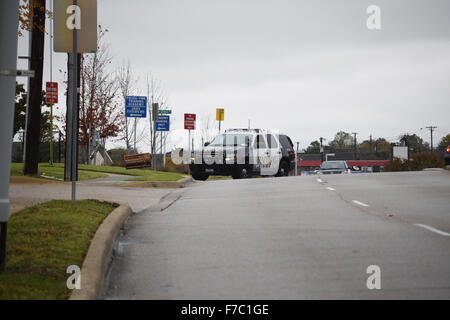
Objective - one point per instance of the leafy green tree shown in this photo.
(314, 147)
(382, 148)
(20, 110)
(415, 143)
(342, 140)
(445, 141)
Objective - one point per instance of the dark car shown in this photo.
(333, 167)
(242, 153)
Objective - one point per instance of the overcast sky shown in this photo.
(307, 68)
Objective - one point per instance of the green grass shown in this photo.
(219, 178)
(56, 171)
(43, 241)
(143, 174)
(86, 172)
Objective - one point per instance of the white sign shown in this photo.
(401, 153)
(83, 18)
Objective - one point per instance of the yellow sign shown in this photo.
(220, 114)
(68, 17)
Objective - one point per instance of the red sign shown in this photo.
(51, 93)
(189, 121)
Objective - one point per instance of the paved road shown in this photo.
(291, 238)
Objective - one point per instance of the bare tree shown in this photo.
(207, 129)
(155, 94)
(127, 85)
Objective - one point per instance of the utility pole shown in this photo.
(33, 114)
(296, 164)
(431, 134)
(321, 149)
(9, 20)
(354, 145)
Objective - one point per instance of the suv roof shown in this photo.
(253, 131)
(244, 130)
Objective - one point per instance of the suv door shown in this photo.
(263, 156)
(287, 150)
(274, 149)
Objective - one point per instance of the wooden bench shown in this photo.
(137, 160)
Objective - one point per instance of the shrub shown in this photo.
(418, 161)
(396, 164)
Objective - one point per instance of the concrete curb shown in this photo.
(159, 184)
(98, 257)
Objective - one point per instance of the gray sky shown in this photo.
(308, 68)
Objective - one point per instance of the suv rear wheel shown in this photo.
(200, 176)
(283, 170)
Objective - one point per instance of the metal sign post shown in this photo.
(51, 97)
(75, 31)
(9, 21)
(74, 97)
(155, 114)
(220, 116)
(189, 151)
(161, 125)
(189, 124)
(135, 107)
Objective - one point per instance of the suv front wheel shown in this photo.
(242, 173)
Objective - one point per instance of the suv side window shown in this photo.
(259, 142)
(286, 142)
(271, 141)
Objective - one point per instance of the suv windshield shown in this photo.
(240, 140)
(333, 165)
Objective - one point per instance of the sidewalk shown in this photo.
(26, 192)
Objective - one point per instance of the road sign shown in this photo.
(220, 114)
(135, 107)
(17, 73)
(51, 93)
(189, 121)
(165, 111)
(83, 18)
(163, 123)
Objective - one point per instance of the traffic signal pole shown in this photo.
(9, 23)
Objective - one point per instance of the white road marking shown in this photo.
(331, 189)
(319, 180)
(360, 203)
(442, 233)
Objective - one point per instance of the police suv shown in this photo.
(243, 153)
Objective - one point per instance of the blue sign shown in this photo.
(163, 123)
(136, 107)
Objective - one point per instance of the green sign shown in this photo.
(165, 111)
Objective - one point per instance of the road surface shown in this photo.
(309, 237)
